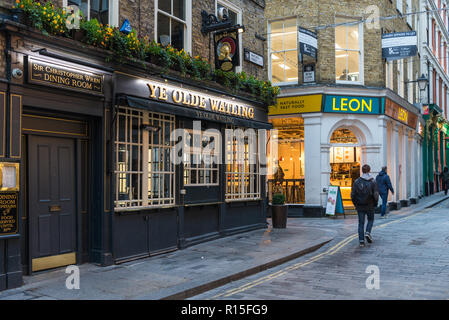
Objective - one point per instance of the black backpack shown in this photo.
(362, 192)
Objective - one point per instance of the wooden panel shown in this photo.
(15, 137)
(41, 124)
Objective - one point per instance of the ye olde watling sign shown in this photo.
(60, 76)
(194, 99)
(9, 223)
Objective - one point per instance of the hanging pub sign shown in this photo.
(308, 44)
(399, 45)
(227, 55)
(62, 76)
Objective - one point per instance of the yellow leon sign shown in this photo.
(298, 104)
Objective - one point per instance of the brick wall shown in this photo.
(252, 17)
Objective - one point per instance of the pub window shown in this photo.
(201, 159)
(242, 165)
(283, 52)
(173, 23)
(348, 50)
(105, 11)
(145, 174)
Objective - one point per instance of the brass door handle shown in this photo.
(55, 208)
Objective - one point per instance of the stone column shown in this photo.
(394, 154)
(312, 154)
(407, 160)
(414, 172)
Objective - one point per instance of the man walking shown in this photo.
(364, 195)
(383, 185)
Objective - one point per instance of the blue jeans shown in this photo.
(383, 209)
(369, 225)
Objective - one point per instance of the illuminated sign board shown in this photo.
(395, 111)
(297, 104)
(350, 104)
(194, 99)
(62, 76)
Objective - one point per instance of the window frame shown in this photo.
(241, 195)
(214, 167)
(144, 142)
(188, 23)
(113, 15)
(361, 55)
(270, 52)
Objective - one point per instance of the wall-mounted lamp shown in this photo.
(211, 23)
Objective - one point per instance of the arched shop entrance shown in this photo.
(345, 157)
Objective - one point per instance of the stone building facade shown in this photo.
(350, 72)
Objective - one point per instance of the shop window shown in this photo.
(145, 174)
(288, 167)
(283, 52)
(200, 161)
(345, 158)
(173, 23)
(348, 51)
(242, 164)
(105, 11)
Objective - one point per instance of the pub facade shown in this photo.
(88, 156)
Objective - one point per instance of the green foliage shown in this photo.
(278, 199)
(51, 20)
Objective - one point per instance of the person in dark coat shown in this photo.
(384, 185)
(445, 179)
(364, 195)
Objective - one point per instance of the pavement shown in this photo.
(204, 267)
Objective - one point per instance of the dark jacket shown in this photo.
(364, 194)
(383, 183)
(445, 176)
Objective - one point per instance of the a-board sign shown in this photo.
(334, 201)
(9, 220)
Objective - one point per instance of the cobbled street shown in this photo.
(410, 251)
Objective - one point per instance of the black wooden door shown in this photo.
(52, 196)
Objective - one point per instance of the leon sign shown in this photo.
(350, 104)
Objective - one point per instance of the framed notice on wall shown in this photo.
(9, 220)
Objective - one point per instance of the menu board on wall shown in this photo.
(348, 154)
(9, 222)
(338, 155)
